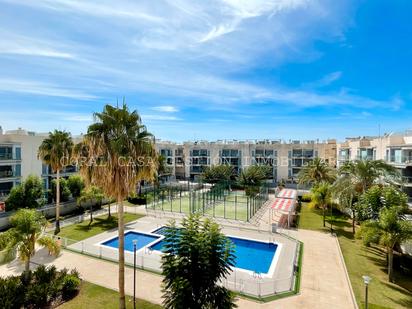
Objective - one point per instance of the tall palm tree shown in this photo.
(55, 151)
(365, 173)
(315, 172)
(389, 230)
(321, 196)
(120, 153)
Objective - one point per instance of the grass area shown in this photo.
(100, 224)
(361, 260)
(95, 296)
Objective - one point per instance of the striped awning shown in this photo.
(283, 204)
(287, 193)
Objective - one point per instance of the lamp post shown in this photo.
(366, 280)
(134, 272)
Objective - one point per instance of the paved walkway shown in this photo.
(323, 285)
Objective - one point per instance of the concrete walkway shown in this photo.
(323, 285)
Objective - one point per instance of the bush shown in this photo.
(136, 199)
(11, 293)
(76, 185)
(70, 286)
(5, 239)
(38, 288)
(306, 198)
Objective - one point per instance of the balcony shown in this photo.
(6, 174)
(6, 156)
(401, 160)
(365, 157)
(343, 158)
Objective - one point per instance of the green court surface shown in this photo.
(233, 205)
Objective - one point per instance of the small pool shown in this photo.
(142, 240)
(255, 256)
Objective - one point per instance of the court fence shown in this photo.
(218, 201)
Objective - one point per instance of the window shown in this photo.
(18, 153)
(17, 171)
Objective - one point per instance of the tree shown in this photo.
(27, 227)
(366, 173)
(321, 196)
(119, 152)
(55, 151)
(29, 194)
(76, 185)
(64, 191)
(378, 197)
(344, 190)
(196, 258)
(222, 173)
(91, 194)
(251, 178)
(315, 172)
(389, 230)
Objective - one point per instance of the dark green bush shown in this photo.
(70, 286)
(38, 288)
(11, 293)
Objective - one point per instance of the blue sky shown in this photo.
(220, 69)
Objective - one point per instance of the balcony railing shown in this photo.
(6, 174)
(399, 159)
(7, 156)
(343, 158)
(367, 157)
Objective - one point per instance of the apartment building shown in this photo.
(18, 159)
(394, 148)
(286, 159)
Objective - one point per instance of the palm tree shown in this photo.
(344, 190)
(55, 151)
(389, 230)
(91, 194)
(365, 173)
(120, 153)
(321, 196)
(315, 172)
(27, 228)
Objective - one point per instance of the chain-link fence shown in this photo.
(218, 200)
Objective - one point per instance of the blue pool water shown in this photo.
(251, 255)
(142, 240)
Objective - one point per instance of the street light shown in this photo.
(134, 272)
(366, 280)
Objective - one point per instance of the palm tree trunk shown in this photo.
(27, 266)
(390, 264)
(91, 213)
(324, 218)
(57, 228)
(122, 298)
(110, 214)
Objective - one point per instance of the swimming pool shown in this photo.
(250, 255)
(143, 240)
(255, 256)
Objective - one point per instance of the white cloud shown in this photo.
(325, 80)
(160, 117)
(166, 108)
(41, 88)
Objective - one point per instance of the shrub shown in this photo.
(70, 286)
(306, 198)
(5, 239)
(11, 293)
(136, 199)
(38, 288)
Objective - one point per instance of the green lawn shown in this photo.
(361, 260)
(95, 296)
(100, 224)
